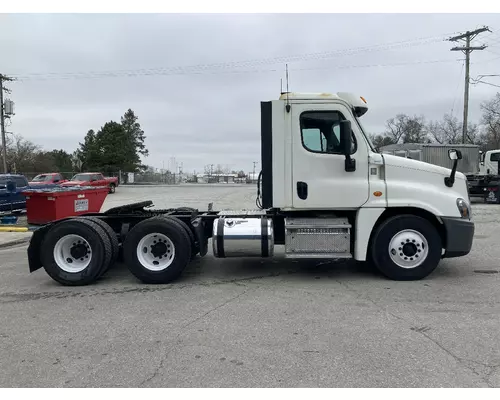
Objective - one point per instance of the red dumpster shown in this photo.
(50, 204)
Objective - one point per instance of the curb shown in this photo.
(14, 242)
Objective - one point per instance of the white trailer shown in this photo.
(324, 192)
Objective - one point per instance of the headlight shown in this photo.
(463, 208)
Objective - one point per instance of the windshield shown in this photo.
(368, 140)
(42, 178)
(81, 177)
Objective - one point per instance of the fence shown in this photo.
(157, 178)
(66, 175)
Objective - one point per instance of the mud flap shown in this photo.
(35, 246)
(199, 230)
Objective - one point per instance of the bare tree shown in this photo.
(448, 130)
(491, 122)
(406, 129)
(22, 155)
(380, 140)
(395, 128)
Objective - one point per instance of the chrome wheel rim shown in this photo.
(72, 253)
(155, 252)
(408, 249)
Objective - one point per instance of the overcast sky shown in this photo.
(214, 116)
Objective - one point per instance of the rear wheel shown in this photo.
(112, 188)
(192, 238)
(157, 250)
(75, 252)
(112, 236)
(406, 247)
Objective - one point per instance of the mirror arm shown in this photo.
(450, 180)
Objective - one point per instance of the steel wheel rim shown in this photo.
(156, 252)
(72, 253)
(408, 249)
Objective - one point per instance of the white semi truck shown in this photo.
(324, 193)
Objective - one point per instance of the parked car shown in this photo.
(52, 178)
(92, 179)
(14, 201)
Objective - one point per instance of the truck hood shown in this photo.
(408, 163)
(413, 183)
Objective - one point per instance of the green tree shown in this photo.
(133, 129)
(116, 150)
(90, 152)
(62, 161)
(116, 146)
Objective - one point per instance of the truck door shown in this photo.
(319, 178)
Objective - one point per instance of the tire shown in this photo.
(165, 237)
(194, 249)
(406, 247)
(112, 188)
(60, 241)
(112, 236)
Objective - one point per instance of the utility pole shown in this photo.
(254, 163)
(2, 120)
(467, 49)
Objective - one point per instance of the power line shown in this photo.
(234, 64)
(467, 49)
(487, 83)
(135, 75)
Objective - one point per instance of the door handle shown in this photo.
(302, 190)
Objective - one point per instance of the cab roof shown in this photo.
(357, 102)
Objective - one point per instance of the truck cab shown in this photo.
(312, 167)
(12, 200)
(489, 163)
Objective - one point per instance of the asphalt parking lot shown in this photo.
(254, 323)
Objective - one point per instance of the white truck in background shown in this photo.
(480, 168)
(323, 192)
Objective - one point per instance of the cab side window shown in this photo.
(320, 131)
(495, 157)
(20, 181)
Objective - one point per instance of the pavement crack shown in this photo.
(182, 330)
(9, 297)
(214, 309)
(462, 361)
(423, 331)
(362, 296)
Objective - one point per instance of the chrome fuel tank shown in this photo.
(243, 237)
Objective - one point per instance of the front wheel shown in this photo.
(406, 247)
(112, 188)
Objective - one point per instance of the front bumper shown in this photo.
(459, 236)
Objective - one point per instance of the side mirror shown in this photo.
(454, 154)
(345, 137)
(11, 186)
(346, 145)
